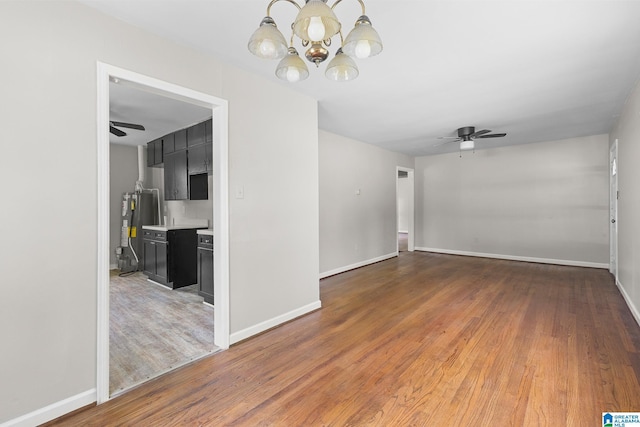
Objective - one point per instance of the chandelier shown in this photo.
(315, 25)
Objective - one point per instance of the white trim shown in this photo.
(102, 279)
(518, 258)
(613, 210)
(357, 265)
(273, 322)
(403, 231)
(219, 108)
(53, 411)
(627, 298)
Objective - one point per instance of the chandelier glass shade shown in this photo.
(363, 41)
(267, 41)
(315, 25)
(341, 68)
(292, 69)
(316, 22)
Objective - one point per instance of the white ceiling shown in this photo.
(158, 114)
(537, 70)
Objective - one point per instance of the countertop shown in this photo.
(171, 227)
(207, 231)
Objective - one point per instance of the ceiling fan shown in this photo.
(118, 132)
(466, 136)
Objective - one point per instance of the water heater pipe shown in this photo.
(141, 168)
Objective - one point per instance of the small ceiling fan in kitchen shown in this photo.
(467, 136)
(113, 127)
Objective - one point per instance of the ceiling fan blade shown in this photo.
(448, 137)
(128, 125)
(478, 133)
(116, 132)
(493, 135)
(446, 142)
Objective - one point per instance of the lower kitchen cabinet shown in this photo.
(170, 257)
(205, 267)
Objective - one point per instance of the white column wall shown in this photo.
(356, 229)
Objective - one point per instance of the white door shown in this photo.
(613, 209)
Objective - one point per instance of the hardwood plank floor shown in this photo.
(422, 339)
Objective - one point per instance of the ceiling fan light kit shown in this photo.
(467, 135)
(315, 25)
(467, 145)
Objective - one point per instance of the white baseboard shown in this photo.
(357, 265)
(273, 322)
(53, 411)
(518, 258)
(627, 298)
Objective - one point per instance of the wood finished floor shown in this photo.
(153, 329)
(422, 339)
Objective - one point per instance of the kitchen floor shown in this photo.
(154, 329)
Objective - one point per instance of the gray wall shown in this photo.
(627, 131)
(543, 201)
(356, 229)
(48, 305)
(123, 174)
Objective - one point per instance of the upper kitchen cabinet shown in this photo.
(176, 183)
(175, 141)
(168, 145)
(154, 153)
(208, 131)
(196, 135)
(181, 139)
(200, 159)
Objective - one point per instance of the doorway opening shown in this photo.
(405, 209)
(219, 113)
(613, 210)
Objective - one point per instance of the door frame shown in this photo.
(613, 209)
(220, 114)
(411, 208)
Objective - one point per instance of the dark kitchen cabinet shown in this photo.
(168, 143)
(180, 142)
(176, 183)
(196, 135)
(170, 257)
(175, 141)
(208, 131)
(154, 153)
(205, 267)
(155, 255)
(200, 159)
